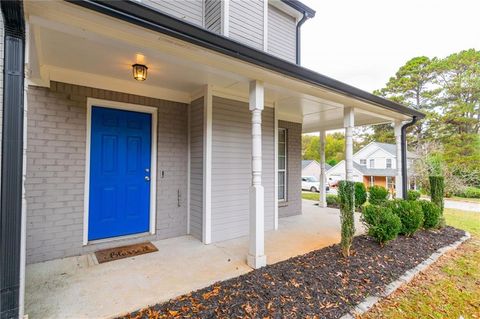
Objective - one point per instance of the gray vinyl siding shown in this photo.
(188, 10)
(213, 15)
(231, 168)
(246, 22)
(293, 205)
(56, 158)
(196, 168)
(281, 34)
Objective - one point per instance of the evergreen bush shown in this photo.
(360, 194)
(377, 195)
(413, 195)
(431, 214)
(381, 223)
(437, 190)
(410, 213)
(346, 193)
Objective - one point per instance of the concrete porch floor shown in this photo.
(76, 287)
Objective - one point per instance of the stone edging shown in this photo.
(370, 301)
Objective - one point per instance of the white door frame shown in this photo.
(153, 161)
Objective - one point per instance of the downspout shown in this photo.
(404, 155)
(12, 158)
(299, 25)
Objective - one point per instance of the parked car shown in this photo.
(311, 183)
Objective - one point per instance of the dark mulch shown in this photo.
(320, 284)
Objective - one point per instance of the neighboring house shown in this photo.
(312, 168)
(375, 164)
(205, 141)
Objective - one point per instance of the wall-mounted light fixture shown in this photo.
(139, 72)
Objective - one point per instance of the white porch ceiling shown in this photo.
(74, 45)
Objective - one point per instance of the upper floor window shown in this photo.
(389, 163)
(363, 162)
(372, 163)
(282, 164)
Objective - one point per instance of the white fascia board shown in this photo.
(286, 8)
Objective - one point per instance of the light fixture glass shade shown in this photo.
(139, 72)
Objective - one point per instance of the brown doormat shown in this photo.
(111, 254)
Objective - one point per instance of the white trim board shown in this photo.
(275, 141)
(225, 17)
(153, 161)
(265, 26)
(237, 95)
(189, 165)
(207, 165)
(113, 84)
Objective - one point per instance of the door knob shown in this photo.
(147, 178)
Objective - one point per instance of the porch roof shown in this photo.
(89, 43)
(152, 19)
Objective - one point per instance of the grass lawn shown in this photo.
(448, 289)
(310, 195)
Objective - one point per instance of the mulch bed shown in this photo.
(320, 284)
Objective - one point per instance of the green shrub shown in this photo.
(381, 223)
(333, 201)
(377, 195)
(360, 194)
(413, 195)
(431, 214)
(410, 213)
(437, 186)
(346, 193)
(437, 190)
(470, 192)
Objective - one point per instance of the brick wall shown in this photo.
(293, 206)
(56, 169)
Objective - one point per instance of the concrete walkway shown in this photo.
(458, 204)
(77, 287)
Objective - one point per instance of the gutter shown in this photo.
(404, 155)
(307, 14)
(12, 159)
(140, 15)
(298, 36)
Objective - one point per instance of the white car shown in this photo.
(311, 183)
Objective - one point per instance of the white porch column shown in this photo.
(348, 123)
(398, 144)
(323, 178)
(256, 255)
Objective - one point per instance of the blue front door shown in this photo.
(120, 153)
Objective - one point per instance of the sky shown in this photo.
(364, 42)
